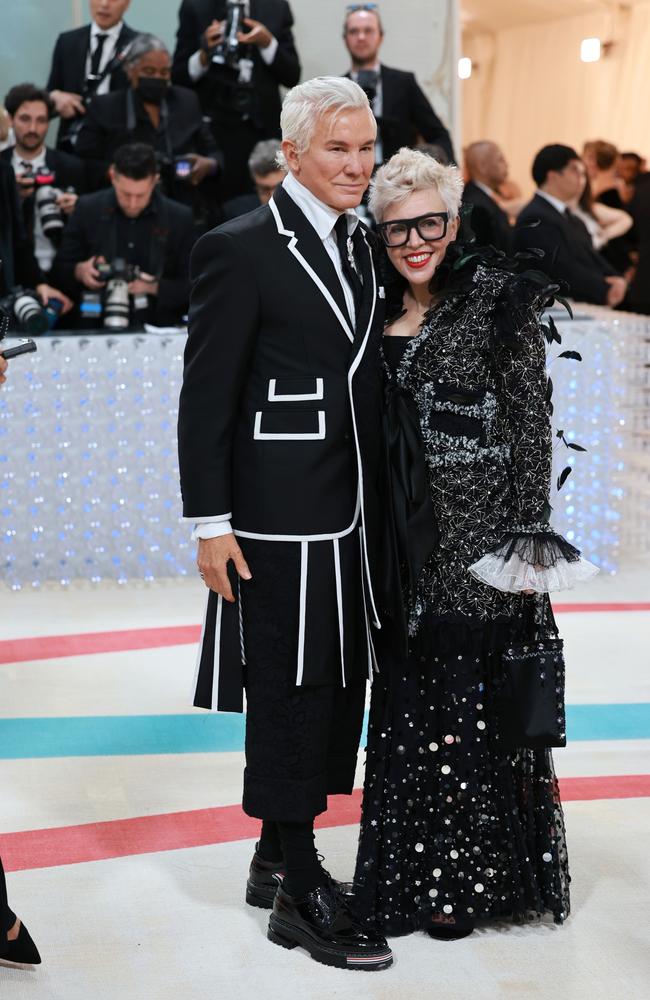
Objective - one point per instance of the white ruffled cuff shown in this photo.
(539, 560)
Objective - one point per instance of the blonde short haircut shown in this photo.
(307, 103)
(409, 171)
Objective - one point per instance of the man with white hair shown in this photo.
(280, 442)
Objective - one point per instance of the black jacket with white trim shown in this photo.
(280, 411)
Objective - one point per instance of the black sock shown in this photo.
(303, 869)
(269, 847)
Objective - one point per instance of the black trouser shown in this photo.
(7, 917)
(301, 742)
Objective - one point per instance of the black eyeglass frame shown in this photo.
(412, 224)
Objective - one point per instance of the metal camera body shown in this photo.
(45, 203)
(368, 80)
(117, 275)
(226, 53)
(24, 307)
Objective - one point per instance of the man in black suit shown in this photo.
(547, 224)
(266, 176)
(133, 222)
(487, 169)
(86, 62)
(403, 112)
(166, 117)
(638, 299)
(19, 266)
(280, 443)
(37, 167)
(243, 100)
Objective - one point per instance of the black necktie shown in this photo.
(96, 60)
(345, 244)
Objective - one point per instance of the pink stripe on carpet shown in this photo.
(591, 608)
(71, 845)
(49, 647)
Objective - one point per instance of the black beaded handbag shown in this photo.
(529, 699)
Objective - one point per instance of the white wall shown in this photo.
(530, 88)
(421, 35)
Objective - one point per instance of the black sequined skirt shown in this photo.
(452, 825)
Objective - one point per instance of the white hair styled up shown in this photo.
(305, 104)
(409, 171)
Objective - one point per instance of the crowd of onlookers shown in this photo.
(155, 147)
(590, 215)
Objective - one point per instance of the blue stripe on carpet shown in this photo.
(106, 736)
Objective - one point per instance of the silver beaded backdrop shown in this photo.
(89, 475)
(88, 468)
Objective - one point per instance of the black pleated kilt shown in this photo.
(298, 642)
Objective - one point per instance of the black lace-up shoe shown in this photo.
(323, 923)
(264, 877)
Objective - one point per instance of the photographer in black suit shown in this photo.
(547, 224)
(403, 112)
(132, 222)
(242, 95)
(280, 451)
(37, 167)
(487, 169)
(86, 62)
(166, 117)
(18, 263)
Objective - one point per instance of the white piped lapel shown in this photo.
(292, 246)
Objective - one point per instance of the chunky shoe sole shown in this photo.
(260, 895)
(288, 936)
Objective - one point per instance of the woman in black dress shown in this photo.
(455, 828)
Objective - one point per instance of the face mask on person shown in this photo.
(152, 90)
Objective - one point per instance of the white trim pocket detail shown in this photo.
(289, 397)
(260, 435)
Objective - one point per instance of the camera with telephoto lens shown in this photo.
(226, 52)
(45, 203)
(368, 80)
(25, 310)
(117, 276)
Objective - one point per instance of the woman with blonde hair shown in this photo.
(459, 825)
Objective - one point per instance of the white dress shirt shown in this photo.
(552, 200)
(323, 219)
(108, 52)
(485, 189)
(44, 249)
(196, 69)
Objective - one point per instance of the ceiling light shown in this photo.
(590, 50)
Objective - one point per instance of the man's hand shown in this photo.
(46, 292)
(67, 104)
(202, 167)
(258, 35)
(4, 364)
(212, 35)
(617, 290)
(87, 274)
(212, 559)
(146, 284)
(25, 185)
(67, 201)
